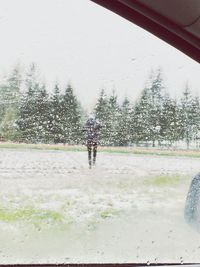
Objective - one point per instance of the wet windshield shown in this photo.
(99, 139)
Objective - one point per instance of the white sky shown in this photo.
(79, 42)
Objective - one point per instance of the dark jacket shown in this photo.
(91, 129)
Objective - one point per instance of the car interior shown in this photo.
(176, 22)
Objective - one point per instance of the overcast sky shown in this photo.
(82, 43)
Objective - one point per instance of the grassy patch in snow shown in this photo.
(109, 212)
(123, 150)
(31, 215)
(165, 180)
(151, 151)
(59, 147)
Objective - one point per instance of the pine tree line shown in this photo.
(33, 115)
(28, 113)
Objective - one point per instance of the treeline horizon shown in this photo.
(28, 113)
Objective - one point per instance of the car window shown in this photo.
(99, 139)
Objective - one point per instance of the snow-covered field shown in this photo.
(129, 208)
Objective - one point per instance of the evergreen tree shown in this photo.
(15, 81)
(8, 127)
(140, 118)
(196, 118)
(170, 122)
(124, 125)
(189, 116)
(55, 127)
(147, 112)
(41, 114)
(26, 123)
(32, 120)
(71, 117)
(155, 112)
(9, 101)
(113, 119)
(101, 114)
(32, 77)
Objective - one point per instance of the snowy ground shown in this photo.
(127, 209)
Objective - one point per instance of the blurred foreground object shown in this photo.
(192, 205)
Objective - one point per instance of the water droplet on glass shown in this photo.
(181, 260)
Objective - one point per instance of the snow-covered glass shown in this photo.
(99, 139)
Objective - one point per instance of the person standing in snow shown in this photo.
(91, 129)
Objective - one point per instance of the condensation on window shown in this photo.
(99, 139)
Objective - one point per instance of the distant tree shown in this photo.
(9, 101)
(71, 117)
(101, 114)
(124, 123)
(156, 102)
(196, 118)
(112, 121)
(55, 127)
(189, 107)
(26, 123)
(15, 81)
(41, 114)
(32, 122)
(147, 114)
(8, 125)
(140, 118)
(170, 121)
(32, 79)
